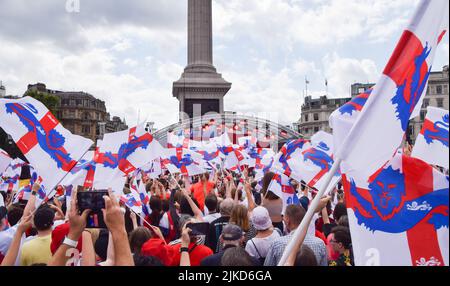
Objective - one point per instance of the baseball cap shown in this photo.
(232, 232)
(43, 218)
(261, 218)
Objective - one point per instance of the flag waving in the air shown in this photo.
(432, 142)
(398, 95)
(47, 145)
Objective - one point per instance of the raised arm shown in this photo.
(185, 260)
(115, 221)
(197, 212)
(250, 200)
(87, 250)
(31, 204)
(77, 224)
(13, 251)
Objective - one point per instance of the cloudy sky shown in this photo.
(130, 52)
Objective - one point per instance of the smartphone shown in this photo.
(93, 200)
(200, 228)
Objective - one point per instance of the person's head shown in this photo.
(3, 221)
(226, 206)
(211, 203)
(339, 210)
(343, 221)
(205, 177)
(236, 256)
(261, 219)
(305, 257)
(185, 207)
(101, 245)
(342, 240)
(148, 186)
(138, 237)
(165, 205)
(232, 234)
(140, 260)
(184, 220)
(304, 202)
(293, 216)
(43, 218)
(239, 216)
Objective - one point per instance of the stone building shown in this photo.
(437, 95)
(83, 114)
(315, 114)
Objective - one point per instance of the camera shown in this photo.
(94, 201)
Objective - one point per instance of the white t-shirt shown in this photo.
(211, 217)
(262, 244)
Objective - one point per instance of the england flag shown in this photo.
(399, 215)
(397, 97)
(47, 145)
(121, 153)
(4, 161)
(432, 143)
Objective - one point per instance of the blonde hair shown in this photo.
(239, 216)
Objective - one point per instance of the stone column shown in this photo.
(200, 54)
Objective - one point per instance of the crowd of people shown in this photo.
(223, 220)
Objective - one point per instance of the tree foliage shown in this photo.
(52, 102)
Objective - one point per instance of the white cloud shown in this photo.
(130, 57)
(342, 72)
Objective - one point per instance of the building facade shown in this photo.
(2, 90)
(315, 114)
(437, 95)
(358, 88)
(83, 114)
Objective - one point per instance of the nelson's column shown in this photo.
(200, 89)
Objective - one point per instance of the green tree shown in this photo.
(52, 102)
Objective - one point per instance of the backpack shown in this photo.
(260, 258)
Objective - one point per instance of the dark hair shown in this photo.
(138, 237)
(165, 205)
(295, 213)
(236, 256)
(164, 182)
(15, 213)
(343, 221)
(305, 257)
(140, 260)
(148, 186)
(101, 244)
(267, 179)
(342, 235)
(206, 175)
(339, 210)
(211, 202)
(156, 207)
(43, 218)
(185, 208)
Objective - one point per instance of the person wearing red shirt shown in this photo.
(201, 189)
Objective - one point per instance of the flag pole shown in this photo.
(300, 233)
